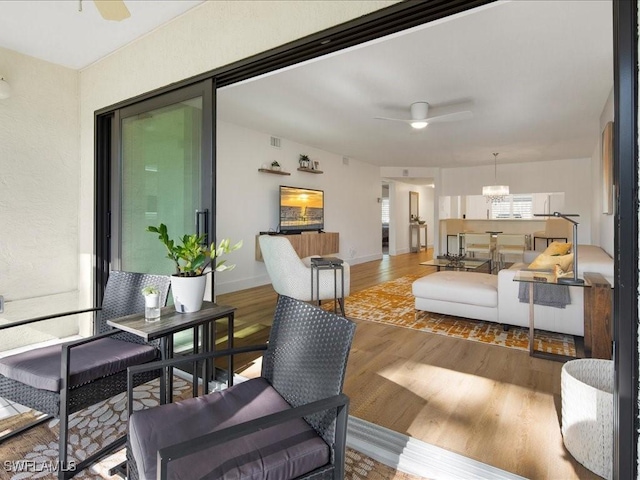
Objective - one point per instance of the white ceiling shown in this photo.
(56, 31)
(536, 75)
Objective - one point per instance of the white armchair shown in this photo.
(291, 277)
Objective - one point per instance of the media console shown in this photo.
(307, 244)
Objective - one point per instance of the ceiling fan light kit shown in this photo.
(5, 88)
(495, 193)
(420, 116)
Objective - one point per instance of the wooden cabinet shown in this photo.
(307, 244)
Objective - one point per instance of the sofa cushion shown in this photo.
(558, 248)
(461, 287)
(548, 262)
(284, 451)
(40, 367)
(595, 259)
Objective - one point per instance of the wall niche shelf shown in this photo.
(275, 172)
(309, 170)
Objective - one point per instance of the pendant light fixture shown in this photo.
(495, 193)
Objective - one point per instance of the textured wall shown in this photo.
(39, 175)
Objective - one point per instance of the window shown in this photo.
(385, 210)
(513, 206)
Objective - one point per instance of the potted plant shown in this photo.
(275, 166)
(304, 161)
(191, 258)
(151, 303)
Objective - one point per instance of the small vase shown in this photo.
(188, 292)
(275, 167)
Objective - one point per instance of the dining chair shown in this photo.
(61, 379)
(510, 244)
(454, 228)
(479, 243)
(288, 423)
(554, 229)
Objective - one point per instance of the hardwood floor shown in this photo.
(493, 404)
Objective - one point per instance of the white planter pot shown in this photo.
(188, 292)
(587, 413)
(152, 300)
(152, 306)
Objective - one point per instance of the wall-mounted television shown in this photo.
(301, 209)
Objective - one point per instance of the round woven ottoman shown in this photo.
(587, 413)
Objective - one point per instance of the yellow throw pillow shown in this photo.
(558, 248)
(548, 262)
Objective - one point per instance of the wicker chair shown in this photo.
(256, 429)
(62, 379)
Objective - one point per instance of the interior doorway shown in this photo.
(385, 212)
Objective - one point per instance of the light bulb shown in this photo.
(419, 124)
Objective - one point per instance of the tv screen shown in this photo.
(301, 209)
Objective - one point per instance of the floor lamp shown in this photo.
(575, 280)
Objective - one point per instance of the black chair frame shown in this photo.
(70, 398)
(338, 402)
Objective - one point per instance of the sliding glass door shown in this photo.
(161, 153)
(163, 174)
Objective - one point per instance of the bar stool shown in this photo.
(509, 244)
(554, 229)
(479, 243)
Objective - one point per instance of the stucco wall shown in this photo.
(39, 165)
(39, 181)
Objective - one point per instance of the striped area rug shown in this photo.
(392, 303)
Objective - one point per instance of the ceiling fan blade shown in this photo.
(394, 119)
(451, 117)
(114, 10)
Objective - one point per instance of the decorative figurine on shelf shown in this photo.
(304, 161)
(275, 166)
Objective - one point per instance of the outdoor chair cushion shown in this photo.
(281, 452)
(40, 367)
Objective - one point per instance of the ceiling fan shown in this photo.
(420, 119)
(114, 10)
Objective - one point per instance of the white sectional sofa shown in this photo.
(483, 296)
